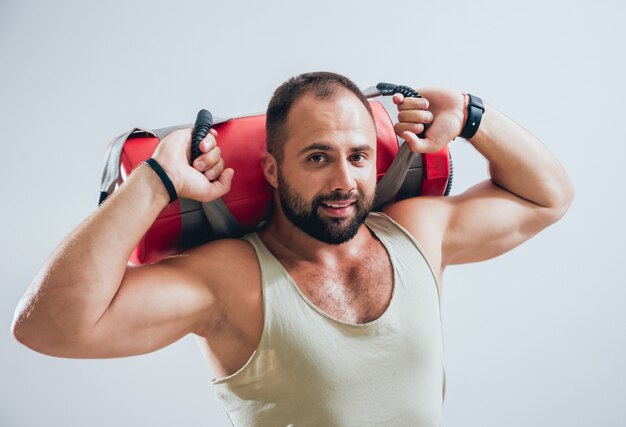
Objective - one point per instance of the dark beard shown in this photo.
(303, 215)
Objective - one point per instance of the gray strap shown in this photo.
(221, 219)
(389, 184)
(392, 181)
(111, 170)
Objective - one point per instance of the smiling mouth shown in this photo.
(338, 205)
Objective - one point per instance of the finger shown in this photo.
(402, 127)
(414, 104)
(208, 143)
(216, 170)
(222, 185)
(213, 132)
(418, 145)
(398, 98)
(415, 116)
(208, 160)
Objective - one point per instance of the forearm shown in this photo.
(520, 163)
(81, 277)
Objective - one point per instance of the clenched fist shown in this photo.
(207, 178)
(440, 112)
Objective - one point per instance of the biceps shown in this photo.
(487, 221)
(154, 307)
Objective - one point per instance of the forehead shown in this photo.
(340, 120)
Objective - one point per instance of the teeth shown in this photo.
(338, 206)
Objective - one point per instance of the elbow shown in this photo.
(45, 343)
(25, 335)
(39, 335)
(24, 326)
(17, 332)
(20, 323)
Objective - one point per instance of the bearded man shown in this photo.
(328, 315)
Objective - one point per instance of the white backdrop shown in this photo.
(533, 338)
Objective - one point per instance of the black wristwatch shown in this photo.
(475, 110)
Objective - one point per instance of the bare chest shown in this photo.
(355, 292)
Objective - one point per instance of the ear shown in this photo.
(270, 169)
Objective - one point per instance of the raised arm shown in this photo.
(528, 189)
(86, 302)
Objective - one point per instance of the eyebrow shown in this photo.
(325, 147)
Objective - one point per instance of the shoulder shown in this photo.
(216, 256)
(227, 266)
(221, 254)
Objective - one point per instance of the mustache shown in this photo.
(338, 196)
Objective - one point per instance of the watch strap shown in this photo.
(475, 110)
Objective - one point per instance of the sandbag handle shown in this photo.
(201, 128)
(387, 89)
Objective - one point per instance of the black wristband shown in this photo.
(475, 110)
(156, 167)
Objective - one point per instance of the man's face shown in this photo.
(327, 179)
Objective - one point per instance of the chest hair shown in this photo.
(356, 291)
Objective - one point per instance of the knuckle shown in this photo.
(400, 127)
(216, 170)
(209, 142)
(406, 116)
(211, 174)
(215, 155)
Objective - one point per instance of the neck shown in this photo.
(286, 240)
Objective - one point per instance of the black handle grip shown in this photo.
(387, 89)
(391, 89)
(204, 123)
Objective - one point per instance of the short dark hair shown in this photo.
(321, 84)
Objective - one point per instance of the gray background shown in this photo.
(533, 338)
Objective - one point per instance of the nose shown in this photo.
(343, 177)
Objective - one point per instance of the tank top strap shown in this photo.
(274, 281)
(402, 246)
(271, 270)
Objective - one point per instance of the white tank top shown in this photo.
(311, 369)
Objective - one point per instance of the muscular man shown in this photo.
(329, 315)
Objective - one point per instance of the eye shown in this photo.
(317, 158)
(358, 157)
